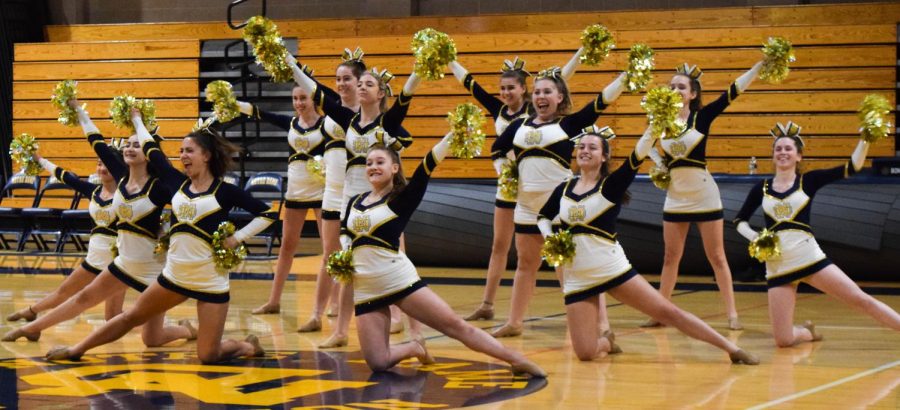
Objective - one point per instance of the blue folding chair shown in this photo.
(46, 220)
(11, 221)
(267, 187)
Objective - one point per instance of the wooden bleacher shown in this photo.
(843, 53)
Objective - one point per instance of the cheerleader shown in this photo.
(137, 202)
(335, 160)
(587, 206)
(374, 123)
(102, 240)
(693, 195)
(512, 104)
(543, 148)
(371, 229)
(200, 202)
(786, 200)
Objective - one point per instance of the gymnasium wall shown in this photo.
(148, 11)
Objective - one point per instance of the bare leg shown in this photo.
(528, 249)
(586, 340)
(155, 333)
(415, 328)
(293, 224)
(77, 280)
(834, 282)
(210, 346)
(339, 336)
(603, 318)
(323, 281)
(374, 341)
(637, 293)
(714, 247)
(102, 287)
(503, 235)
(782, 300)
(426, 306)
(114, 304)
(674, 237)
(154, 301)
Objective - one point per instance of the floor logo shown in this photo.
(286, 379)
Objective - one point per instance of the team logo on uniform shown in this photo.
(533, 137)
(301, 143)
(783, 210)
(337, 132)
(361, 223)
(103, 217)
(186, 211)
(360, 144)
(124, 211)
(576, 213)
(281, 379)
(677, 148)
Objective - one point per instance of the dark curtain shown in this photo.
(21, 21)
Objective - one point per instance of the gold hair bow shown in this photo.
(790, 130)
(385, 77)
(515, 65)
(552, 72)
(355, 55)
(691, 71)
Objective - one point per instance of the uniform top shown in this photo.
(305, 143)
(138, 212)
(100, 209)
(381, 223)
(689, 149)
(790, 209)
(558, 147)
(595, 211)
(199, 214)
(496, 108)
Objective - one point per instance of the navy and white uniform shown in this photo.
(303, 189)
(103, 234)
(358, 139)
(788, 215)
(543, 153)
(189, 269)
(600, 263)
(693, 195)
(502, 118)
(384, 275)
(138, 222)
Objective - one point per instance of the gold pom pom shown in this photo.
(559, 248)
(640, 67)
(597, 42)
(162, 243)
(340, 266)
(120, 112)
(779, 54)
(662, 105)
(509, 180)
(466, 124)
(660, 177)
(224, 257)
(22, 150)
(224, 102)
(765, 247)
(62, 93)
(268, 48)
(433, 51)
(873, 115)
(316, 167)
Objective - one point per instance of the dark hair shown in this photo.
(697, 103)
(355, 66)
(565, 106)
(399, 181)
(519, 76)
(220, 150)
(798, 145)
(151, 170)
(382, 85)
(604, 167)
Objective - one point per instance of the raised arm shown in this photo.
(568, 70)
(169, 175)
(111, 161)
(587, 115)
(618, 181)
(815, 180)
(278, 120)
(331, 107)
(712, 110)
(409, 199)
(84, 187)
(492, 104)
